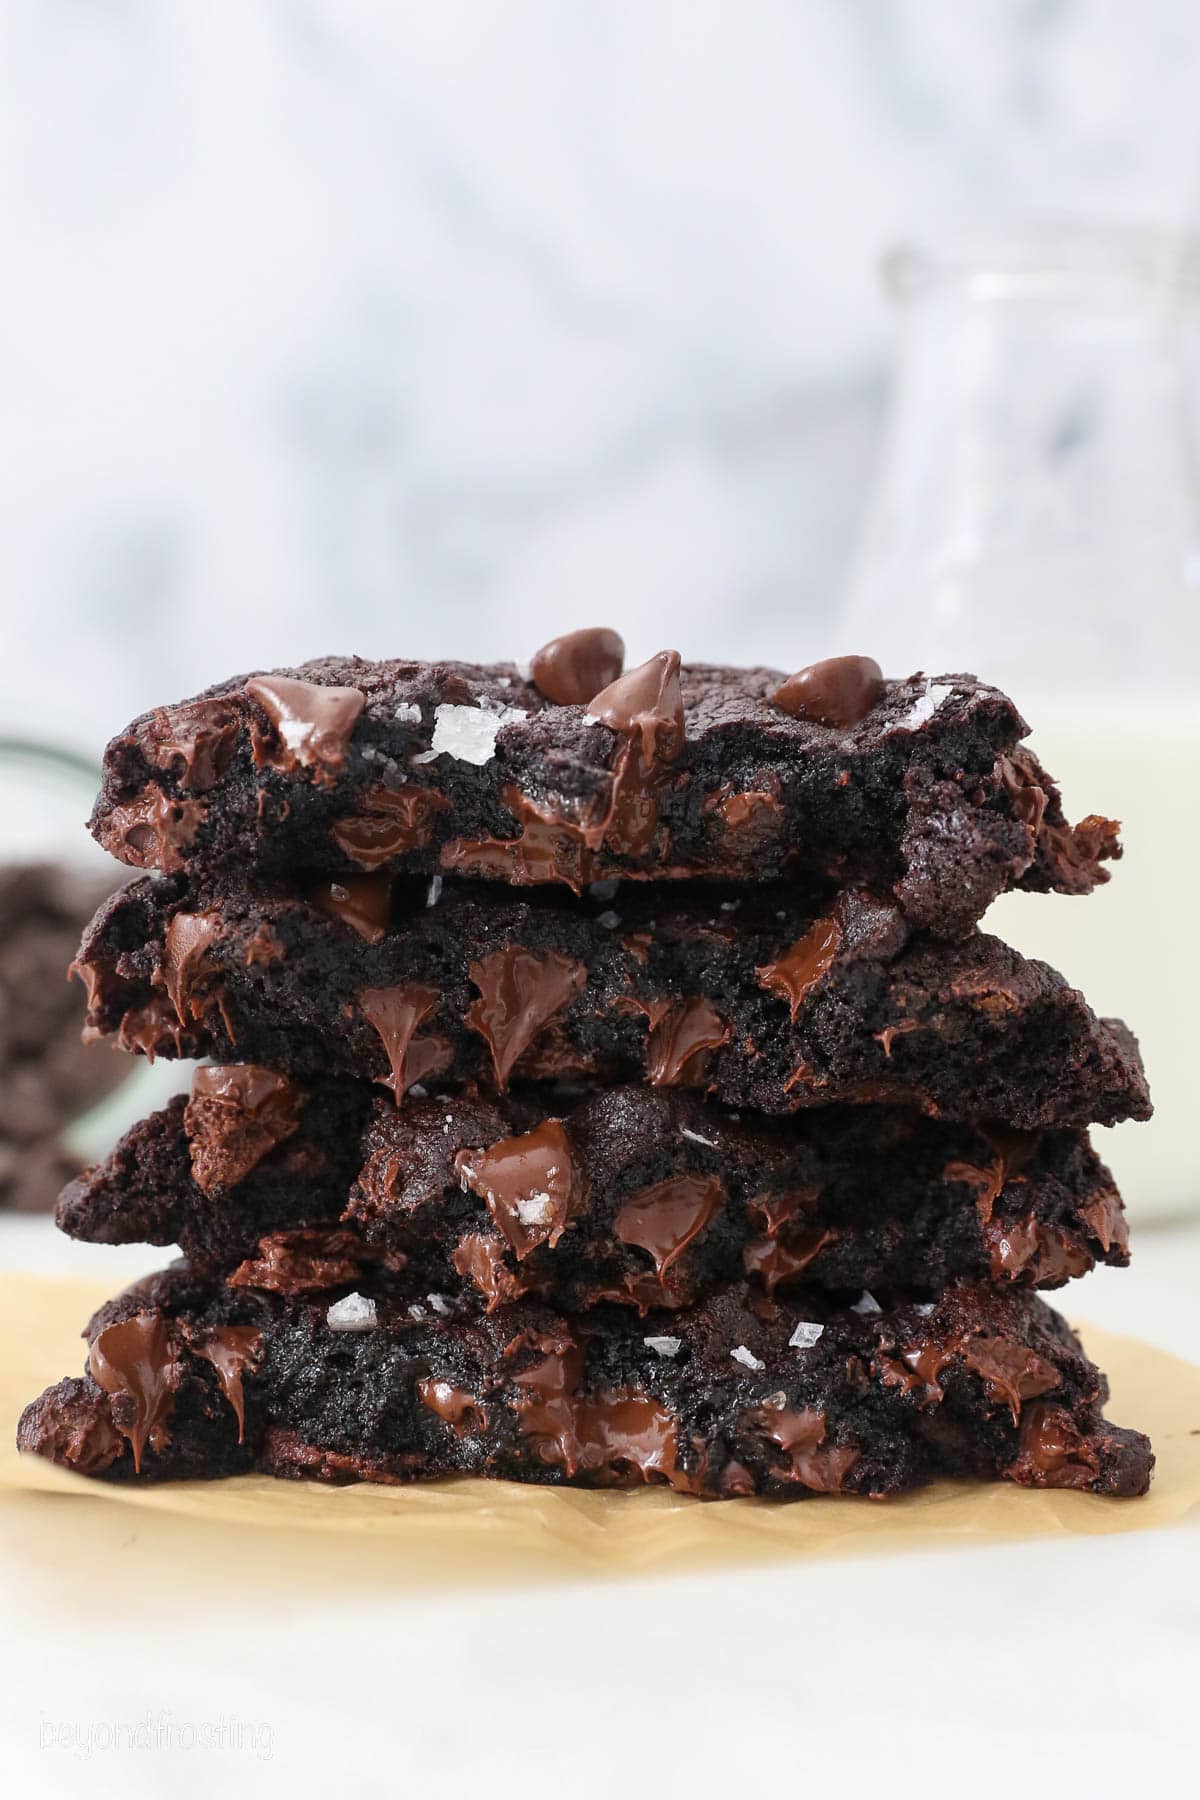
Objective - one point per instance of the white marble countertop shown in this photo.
(1024, 1668)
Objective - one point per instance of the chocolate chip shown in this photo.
(573, 669)
(311, 724)
(840, 691)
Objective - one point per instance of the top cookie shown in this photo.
(573, 772)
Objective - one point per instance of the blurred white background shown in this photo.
(398, 328)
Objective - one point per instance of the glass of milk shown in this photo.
(1037, 521)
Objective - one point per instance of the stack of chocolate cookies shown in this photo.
(608, 1083)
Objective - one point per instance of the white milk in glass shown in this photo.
(1037, 521)
(1130, 945)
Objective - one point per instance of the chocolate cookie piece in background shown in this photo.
(737, 1396)
(246, 1154)
(47, 1077)
(918, 789)
(635, 1195)
(769, 997)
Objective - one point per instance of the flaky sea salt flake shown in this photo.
(354, 1313)
(747, 1358)
(468, 733)
(664, 1346)
(805, 1335)
(535, 1209)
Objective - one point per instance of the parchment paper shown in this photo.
(476, 1529)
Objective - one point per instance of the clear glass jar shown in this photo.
(1037, 521)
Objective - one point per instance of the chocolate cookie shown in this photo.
(771, 998)
(918, 789)
(634, 1195)
(740, 1395)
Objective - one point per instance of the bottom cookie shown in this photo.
(741, 1395)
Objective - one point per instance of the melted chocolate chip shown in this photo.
(1053, 1451)
(396, 1013)
(532, 1185)
(1027, 798)
(237, 1113)
(752, 822)
(194, 742)
(481, 1257)
(311, 725)
(519, 992)
(573, 669)
(133, 1362)
(646, 703)
(153, 831)
(457, 1406)
(186, 943)
(391, 822)
(306, 1260)
(840, 691)
(147, 1028)
(680, 1040)
(1105, 1219)
(363, 902)
(794, 974)
(664, 1219)
(645, 708)
(776, 1260)
(801, 1436)
(232, 1349)
(609, 1436)
(1010, 1371)
(550, 847)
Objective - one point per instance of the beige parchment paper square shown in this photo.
(475, 1529)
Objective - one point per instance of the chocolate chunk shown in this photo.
(457, 1406)
(840, 691)
(303, 1261)
(820, 1467)
(479, 1258)
(238, 1113)
(572, 670)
